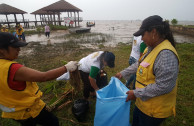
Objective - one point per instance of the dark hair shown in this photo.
(164, 31)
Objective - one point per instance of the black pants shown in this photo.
(47, 34)
(87, 86)
(45, 118)
(141, 119)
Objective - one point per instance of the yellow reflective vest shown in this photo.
(15, 104)
(161, 106)
(19, 30)
(4, 30)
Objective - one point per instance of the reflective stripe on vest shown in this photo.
(15, 103)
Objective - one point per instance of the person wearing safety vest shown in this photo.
(4, 29)
(20, 96)
(20, 32)
(157, 72)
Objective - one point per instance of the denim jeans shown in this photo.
(132, 60)
(141, 119)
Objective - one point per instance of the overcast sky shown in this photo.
(116, 9)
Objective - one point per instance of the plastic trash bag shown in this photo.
(65, 76)
(80, 108)
(111, 108)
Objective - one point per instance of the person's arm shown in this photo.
(93, 74)
(28, 74)
(126, 73)
(93, 83)
(142, 48)
(166, 73)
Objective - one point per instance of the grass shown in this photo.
(48, 57)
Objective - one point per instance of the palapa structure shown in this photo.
(7, 10)
(56, 9)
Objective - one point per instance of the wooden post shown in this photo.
(15, 18)
(48, 19)
(40, 19)
(78, 18)
(35, 20)
(7, 21)
(59, 18)
(54, 18)
(71, 17)
(51, 19)
(75, 18)
(23, 19)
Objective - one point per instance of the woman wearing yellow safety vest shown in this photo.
(20, 97)
(157, 72)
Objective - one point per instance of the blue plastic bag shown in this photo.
(111, 108)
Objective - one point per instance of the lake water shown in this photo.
(120, 31)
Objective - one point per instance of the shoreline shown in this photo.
(183, 30)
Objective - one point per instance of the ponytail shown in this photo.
(164, 31)
(168, 33)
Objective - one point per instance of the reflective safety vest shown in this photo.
(20, 30)
(15, 104)
(4, 30)
(161, 106)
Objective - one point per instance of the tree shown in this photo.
(174, 21)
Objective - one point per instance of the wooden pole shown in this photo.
(51, 19)
(68, 16)
(78, 18)
(7, 21)
(48, 19)
(40, 19)
(15, 19)
(75, 18)
(54, 18)
(35, 20)
(59, 19)
(23, 20)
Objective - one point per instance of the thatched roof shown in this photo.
(61, 6)
(40, 11)
(7, 9)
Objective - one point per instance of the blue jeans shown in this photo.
(141, 119)
(132, 60)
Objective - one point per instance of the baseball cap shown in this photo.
(110, 59)
(7, 39)
(147, 23)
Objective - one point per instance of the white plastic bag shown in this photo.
(65, 76)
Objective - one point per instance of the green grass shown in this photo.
(47, 57)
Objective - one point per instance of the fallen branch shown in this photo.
(63, 105)
(52, 106)
(75, 122)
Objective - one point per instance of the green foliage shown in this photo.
(58, 27)
(174, 21)
(40, 30)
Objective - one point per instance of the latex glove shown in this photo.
(71, 66)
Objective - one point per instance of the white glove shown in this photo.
(71, 66)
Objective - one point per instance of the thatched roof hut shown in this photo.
(56, 9)
(7, 9)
